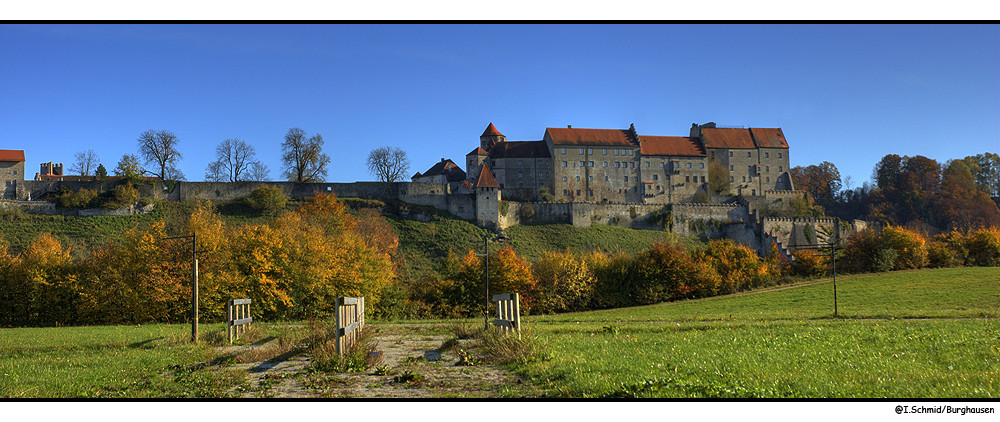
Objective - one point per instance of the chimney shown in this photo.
(569, 126)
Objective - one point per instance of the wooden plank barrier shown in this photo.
(508, 313)
(349, 320)
(238, 318)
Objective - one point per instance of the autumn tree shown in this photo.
(160, 149)
(303, 157)
(388, 164)
(822, 181)
(959, 204)
(235, 161)
(718, 177)
(85, 162)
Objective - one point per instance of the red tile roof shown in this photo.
(447, 168)
(769, 138)
(520, 149)
(670, 145)
(15, 155)
(574, 136)
(478, 151)
(491, 131)
(727, 138)
(486, 179)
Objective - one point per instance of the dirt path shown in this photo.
(413, 365)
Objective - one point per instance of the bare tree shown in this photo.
(160, 148)
(388, 164)
(85, 163)
(234, 163)
(258, 172)
(303, 158)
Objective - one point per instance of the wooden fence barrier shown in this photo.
(508, 313)
(237, 318)
(350, 319)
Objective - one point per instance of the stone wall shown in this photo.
(583, 214)
(713, 215)
(796, 233)
(46, 207)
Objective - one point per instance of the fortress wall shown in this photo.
(584, 214)
(684, 214)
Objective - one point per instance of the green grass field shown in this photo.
(109, 361)
(910, 334)
(928, 333)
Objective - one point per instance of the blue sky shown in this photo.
(848, 94)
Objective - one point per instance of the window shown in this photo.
(564, 150)
(616, 151)
(744, 178)
(688, 165)
(701, 165)
(591, 163)
(618, 164)
(779, 155)
(605, 151)
(520, 163)
(577, 178)
(779, 169)
(767, 168)
(577, 192)
(687, 178)
(730, 153)
(632, 164)
(656, 177)
(590, 178)
(702, 179)
(767, 155)
(590, 192)
(590, 150)
(605, 178)
(583, 164)
(565, 192)
(663, 164)
(730, 179)
(749, 154)
(581, 151)
(605, 164)
(631, 152)
(730, 167)
(564, 164)
(647, 164)
(564, 179)
(768, 180)
(658, 188)
(626, 179)
(520, 175)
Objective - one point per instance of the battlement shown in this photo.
(798, 220)
(700, 205)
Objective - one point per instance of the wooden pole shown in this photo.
(517, 314)
(337, 322)
(229, 320)
(194, 302)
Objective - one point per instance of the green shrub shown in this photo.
(80, 199)
(984, 247)
(545, 195)
(884, 260)
(267, 199)
(123, 195)
(808, 263)
(940, 255)
(526, 211)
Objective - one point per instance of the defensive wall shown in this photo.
(583, 214)
(436, 195)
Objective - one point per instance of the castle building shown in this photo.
(11, 169)
(622, 166)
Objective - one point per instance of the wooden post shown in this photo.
(517, 314)
(194, 299)
(229, 320)
(338, 304)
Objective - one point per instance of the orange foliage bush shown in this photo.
(808, 263)
(984, 247)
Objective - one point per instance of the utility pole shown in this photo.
(833, 258)
(486, 256)
(194, 282)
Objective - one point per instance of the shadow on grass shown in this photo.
(142, 344)
(271, 363)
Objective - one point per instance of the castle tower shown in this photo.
(491, 136)
(473, 160)
(487, 198)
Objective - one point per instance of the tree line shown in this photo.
(302, 157)
(916, 192)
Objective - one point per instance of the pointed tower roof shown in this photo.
(478, 151)
(491, 131)
(486, 179)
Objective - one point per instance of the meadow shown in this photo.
(926, 333)
(905, 334)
